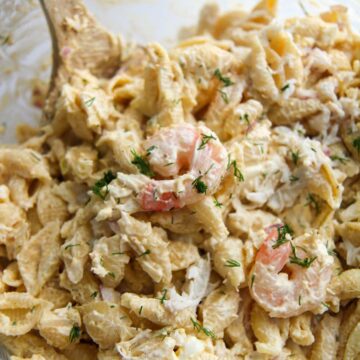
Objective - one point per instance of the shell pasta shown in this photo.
(202, 203)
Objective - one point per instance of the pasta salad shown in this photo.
(201, 203)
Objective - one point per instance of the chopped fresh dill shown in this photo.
(295, 157)
(293, 178)
(163, 297)
(356, 144)
(341, 159)
(331, 252)
(89, 102)
(111, 274)
(224, 96)
(299, 300)
(205, 139)
(5, 40)
(282, 238)
(199, 185)
(150, 149)
(117, 253)
(245, 118)
(326, 305)
(140, 310)
(294, 259)
(97, 189)
(146, 252)
(312, 202)
(285, 87)
(70, 246)
(252, 280)
(35, 156)
(217, 203)
(224, 79)
(237, 173)
(199, 328)
(94, 295)
(75, 333)
(142, 164)
(232, 263)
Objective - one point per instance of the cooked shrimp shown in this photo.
(194, 158)
(289, 278)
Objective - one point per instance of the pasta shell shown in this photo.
(29, 345)
(150, 245)
(108, 257)
(325, 346)
(75, 253)
(39, 258)
(55, 326)
(83, 291)
(220, 309)
(25, 163)
(20, 312)
(106, 323)
(50, 207)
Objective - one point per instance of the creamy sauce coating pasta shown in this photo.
(203, 203)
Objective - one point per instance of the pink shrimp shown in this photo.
(286, 288)
(192, 157)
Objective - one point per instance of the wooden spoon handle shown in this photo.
(79, 42)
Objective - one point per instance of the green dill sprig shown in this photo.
(245, 118)
(150, 150)
(282, 238)
(75, 333)
(285, 87)
(89, 102)
(94, 295)
(356, 144)
(224, 79)
(331, 252)
(217, 203)
(97, 189)
(232, 263)
(163, 297)
(237, 173)
(312, 202)
(205, 139)
(295, 157)
(294, 259)
(5, 39)
(224, 96)
(252, 280)
(146, 252)
(341, 159)
(140, 310)
(110, 273)
(199, 185)
(294, 178)
(199, 328)
(70, 246)
(326, 305)
(142, 164)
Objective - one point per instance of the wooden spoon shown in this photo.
(78, 42)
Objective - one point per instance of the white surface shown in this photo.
(28, 58)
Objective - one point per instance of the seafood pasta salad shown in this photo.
(202, 203)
